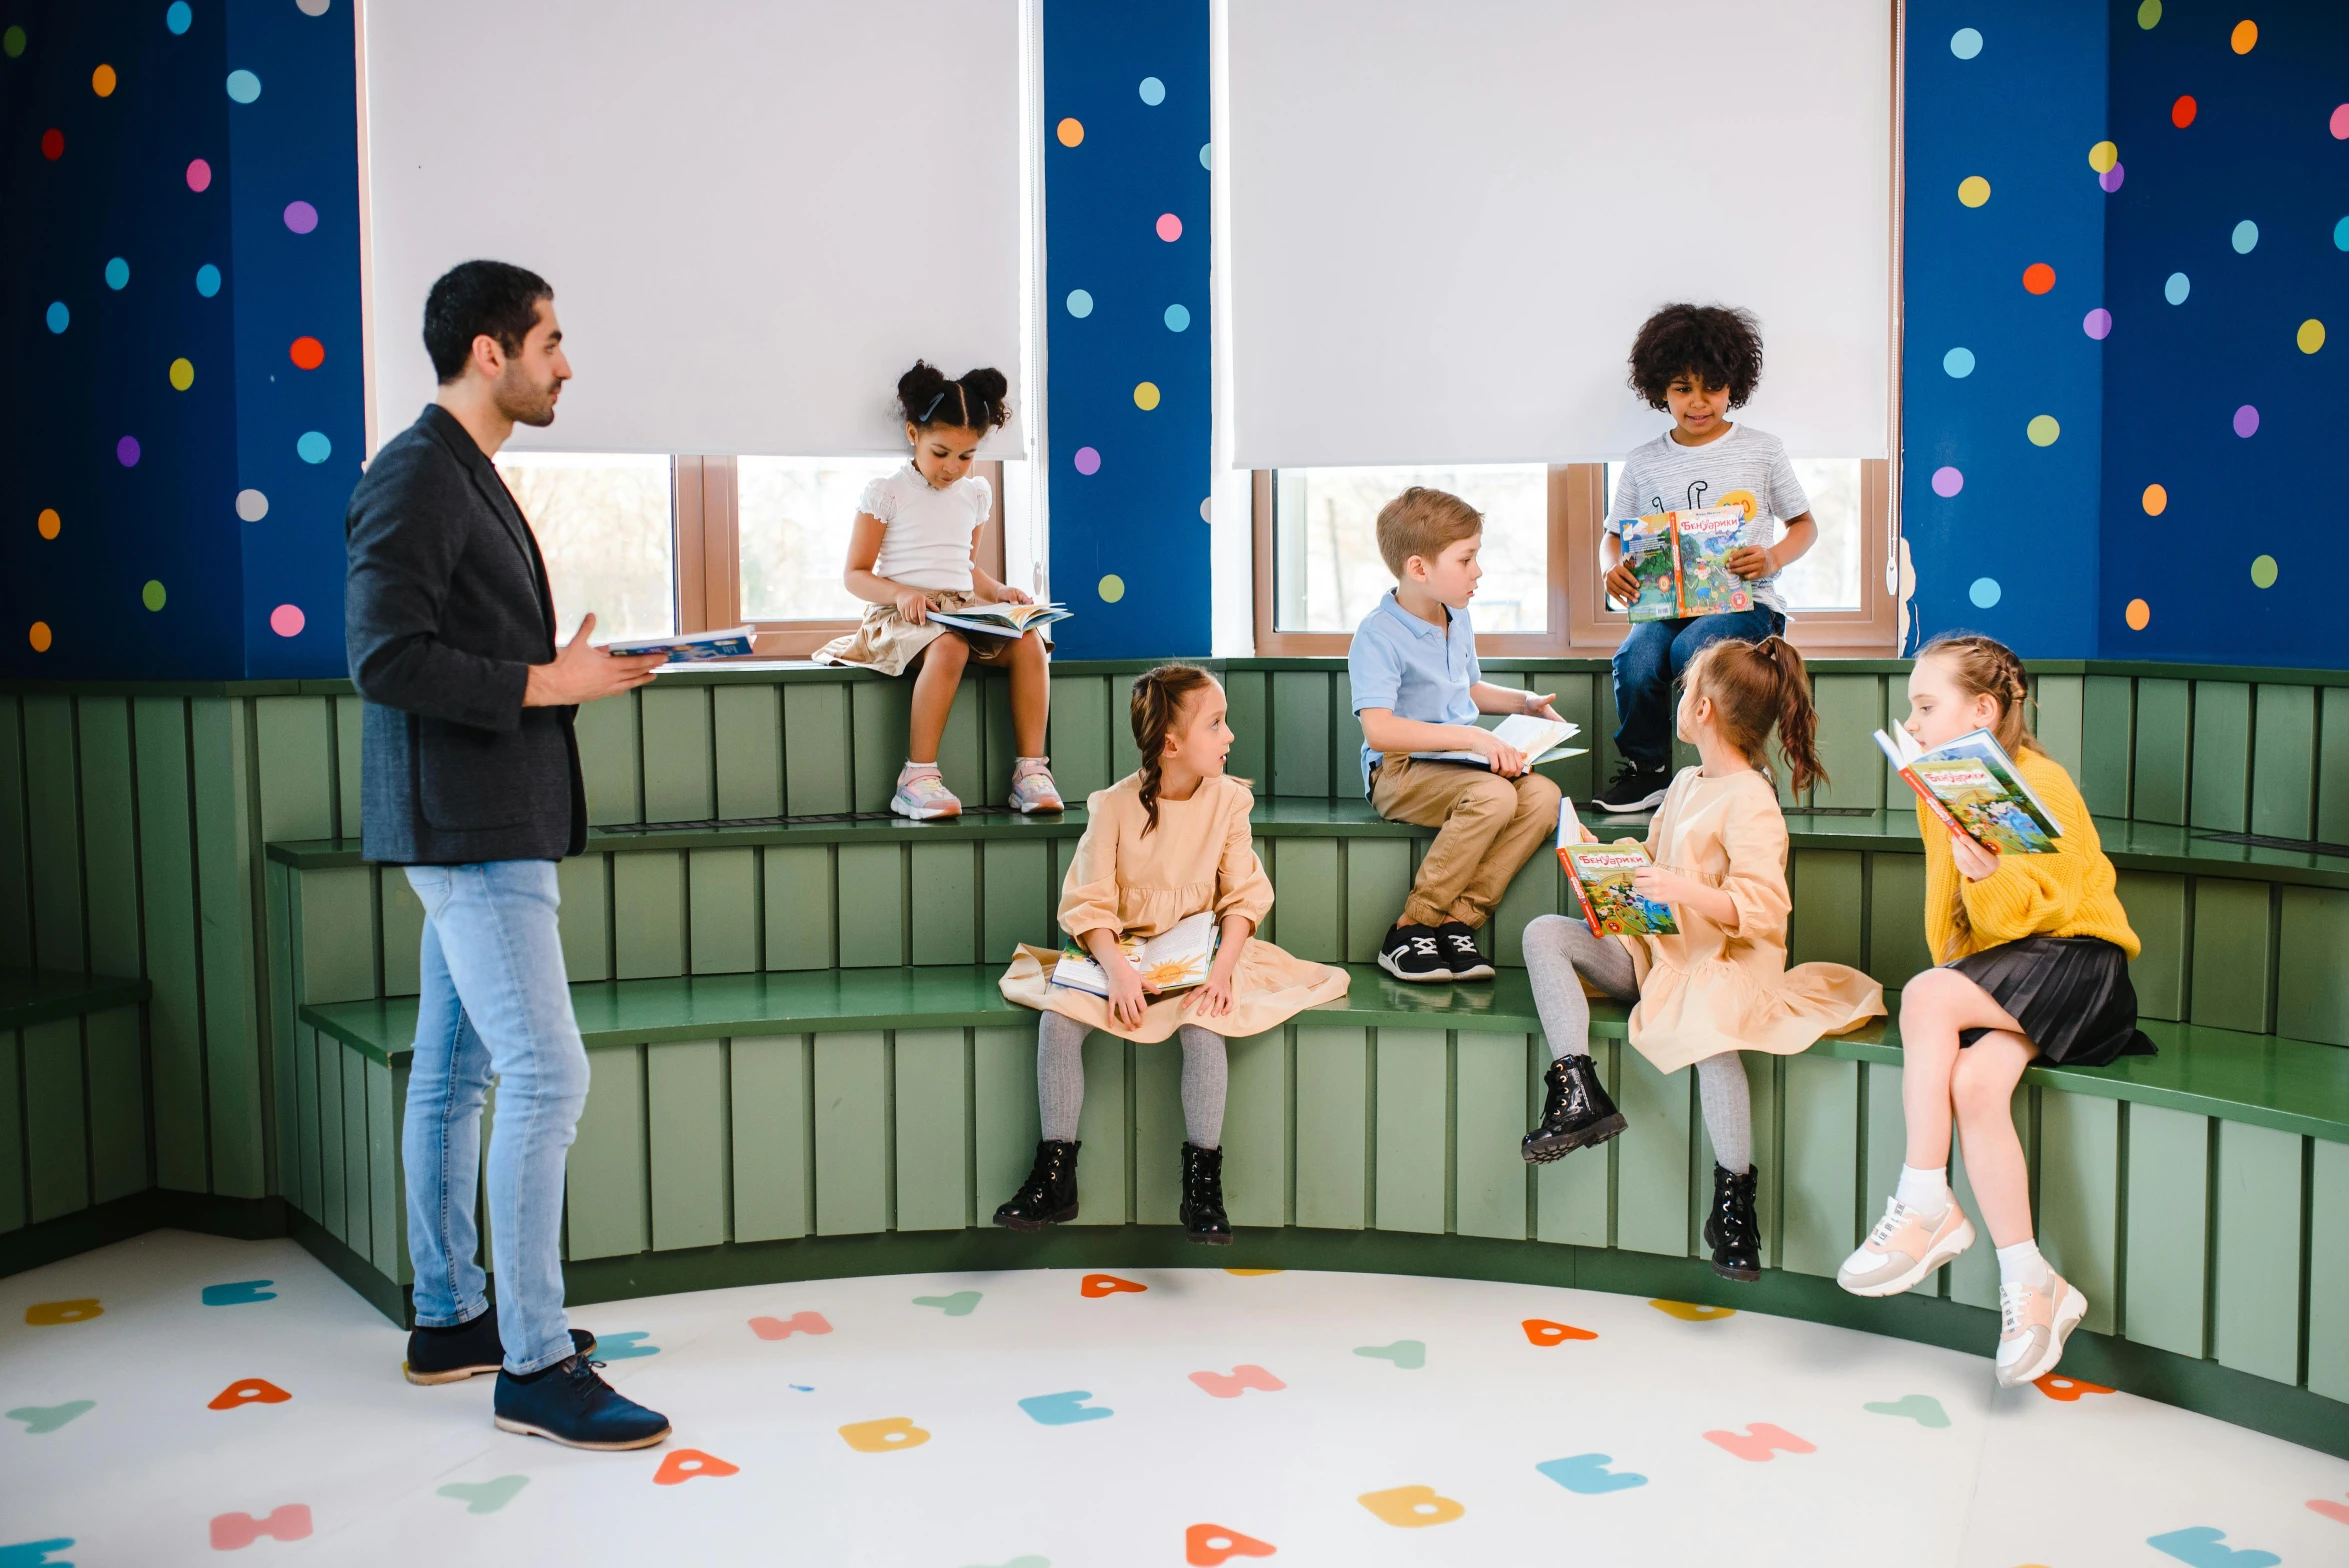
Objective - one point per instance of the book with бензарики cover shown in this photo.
(1974, 787)
(1682, 562)
(1601, 875)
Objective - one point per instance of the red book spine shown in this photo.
(1933, 803)
(1590, 916)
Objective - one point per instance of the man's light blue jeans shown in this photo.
(495, 1003)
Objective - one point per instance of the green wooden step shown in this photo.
(38, 996)
(2293, 1086)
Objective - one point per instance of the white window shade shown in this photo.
(755, 215)
(1449, 221)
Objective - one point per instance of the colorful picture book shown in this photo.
(733, 643)
(1601, 874)
(1002, 620)
(1173, 959)
(1974, 787)
(1538, 738)
(1682, 562)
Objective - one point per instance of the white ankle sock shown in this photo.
(1925, 1191)
(914, 770)
(2021, 1264)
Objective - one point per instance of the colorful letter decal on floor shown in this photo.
(1541, 1331)
(2337, 1512)
(485, 1497)
(1923, 1409)
(784, 1328)
(233, 1532)
(691, 1464)
(1589, 1475)
(1691, 1312)
(1409, 1354)
(1242, 1379)
(958, 1305)
(1758, 1440)
(42, 1314)
(1254, 1273)
(1205, 1545)
(249, 1391)
(38, 1419)
(884, 1436)
(243, 1292)
(1064, 1409)
(1098, 1285)
(625, 1347)
(35, 1554)
(2204, 1547)
(2066, 1390)
(1411, 1507)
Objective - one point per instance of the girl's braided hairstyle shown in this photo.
(1157, 702)
(1983, 666)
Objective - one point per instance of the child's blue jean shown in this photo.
(1649, 663)
(495, 1002)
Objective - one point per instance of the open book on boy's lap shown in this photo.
(1537, 737)
(1002, 620)
(1601, 876)
(1682, 562)
(1173, 959)
(736, 642)
(1974, 787)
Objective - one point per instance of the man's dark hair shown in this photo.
(475, 299)
(1722, 345)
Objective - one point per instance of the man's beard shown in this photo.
(525, 404)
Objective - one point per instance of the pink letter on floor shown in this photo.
(1757, 1441)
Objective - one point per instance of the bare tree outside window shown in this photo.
(795, 515)
(604, 524)
(1327, 569)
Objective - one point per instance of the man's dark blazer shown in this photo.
(445, 608)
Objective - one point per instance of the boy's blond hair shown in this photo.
(1424, 523)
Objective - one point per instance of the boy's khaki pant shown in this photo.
(1487, 828)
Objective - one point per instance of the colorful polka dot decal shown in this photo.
(177, 16)
(301, 217)
(313, 7)
(2310, 337)
(1973, 190)
(12, 42)
(199, 175)
(1087, 460)
(1170, 227)
(182, 375)
(287, 620)
(2182, 112)
(307, 353)
(1958, 362)
(2110, 180)
(2038, 278)
(1984, 592)
(49, 523)
(118, 273)
(1178, 318)
(2176, 287)
(2339, 123)
(1111, 588)
(1947, 482)
(103, 80)
(2139, 615)
(1070, 132)
(2043, 430)
(52, 144)
(152, 595)
(39, 636)
(252, 505)
(2156, 500)
(2263, 571)
(243, 86)
(2246, 421)
(207, 280)
(2245, 37)
(1146, 396)
(1080, 303)
(2103, 156)
(1153, 91)
(1965, 43)
(126, 451)
(2245, 239)
(58, 317)
(2097, 323)
(1207, 155)
(314, 447)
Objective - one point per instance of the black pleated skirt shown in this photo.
(2071, 994)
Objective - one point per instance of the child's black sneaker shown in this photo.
(471, 1348)
(1635, 788)
(1414, 953)
(571, 1405)
(1458, 945)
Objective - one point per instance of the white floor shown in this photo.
(1464, 1443)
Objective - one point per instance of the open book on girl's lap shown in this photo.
(1171, 960)
(1539, 738)
(1002, 620)
(1974, 787)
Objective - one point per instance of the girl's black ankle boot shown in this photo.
(1576, 1112)
(1049, 1195)
(1730, 1227)
(1202, 1211)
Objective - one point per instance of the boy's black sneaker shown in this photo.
(471, 1348)
(1414, 953)
(1458, 945)
(1635, 788)
(571, 1405)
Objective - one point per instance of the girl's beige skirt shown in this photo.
(1268, 989)
(887, 642)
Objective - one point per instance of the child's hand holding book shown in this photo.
(1975, 862)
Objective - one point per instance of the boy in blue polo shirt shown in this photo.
(1417, 689)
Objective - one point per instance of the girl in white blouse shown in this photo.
(915, 550)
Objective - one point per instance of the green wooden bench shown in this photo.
(785, 1126)
(64, 1148)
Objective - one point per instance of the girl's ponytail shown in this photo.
(1757, 687)
(1157, 703)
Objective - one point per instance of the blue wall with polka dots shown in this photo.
(181, 421)
(1128, 384)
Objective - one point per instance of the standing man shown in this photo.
(470, 781)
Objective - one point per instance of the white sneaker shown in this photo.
(2033, 1323)
(1904, 1248)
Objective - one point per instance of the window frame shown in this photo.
(707, 549)
(1580, 625)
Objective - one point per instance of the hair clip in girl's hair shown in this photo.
(932, 409)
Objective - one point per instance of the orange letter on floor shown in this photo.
(2066, 1390)
(685, 1464)
(1209, 1544)
(1412, 1506)
(1098, 1285)
(249, 1391)
(1757, 1441)
(41, 1314)
(1541, 1331)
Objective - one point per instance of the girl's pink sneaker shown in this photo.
(1032, 789)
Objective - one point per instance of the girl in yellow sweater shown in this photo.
(2034, 957)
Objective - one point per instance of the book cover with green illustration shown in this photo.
(1647, 550)
(1602, 880)
(1682, 562)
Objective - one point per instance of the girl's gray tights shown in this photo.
(1060, 1079)
(1560, 953)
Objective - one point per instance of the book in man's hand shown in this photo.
(1172, 960)
(1537, 737)
(1601, 874)
(1002, 620)
(1974, 787)
(691, 648)
(1682, 562)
